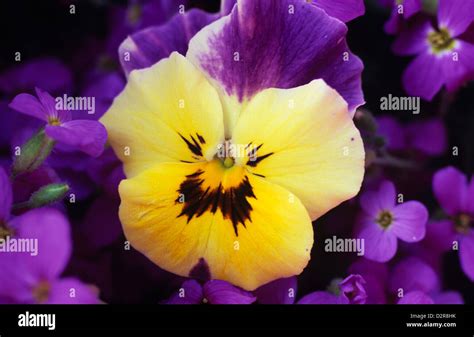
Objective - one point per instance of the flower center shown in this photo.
(5, 231)
(41, 292)
(385, 219)
(134, 13)
(463, 222)
(54, 121)
(440, 40)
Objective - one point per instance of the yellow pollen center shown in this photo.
(385, 219)
(440, 40)
(41, 292)
(54, 121)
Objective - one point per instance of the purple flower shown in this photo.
(426, 136)
(48, 73)
(351, 290)
(402, 10)
(416, 280)
(456, 196)
(85, 135)
(212, 292)
(344, 10)
(33, 276)
(375, 275)
(281, 291)
(444, 55)
(383, 221)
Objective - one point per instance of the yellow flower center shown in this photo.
(463, 223)
(385, 219)
(5, 231)
(440, 41)
(54, 121)
(41, 292)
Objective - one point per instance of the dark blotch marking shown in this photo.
(254, 157)
(201, 271)
(193, 145)
(232, 202)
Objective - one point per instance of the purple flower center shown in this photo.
(463, 222)
(440, 40)
(385, 219)
(54, 120)
(41, 292)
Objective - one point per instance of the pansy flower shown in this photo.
(456, 196)
(85, 135)
(34, 276)
(383, 221)
(443, 52)
(222, 167)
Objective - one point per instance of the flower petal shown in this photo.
(456, 15)
(380, 244)
(171, 99)
(85, 135)
(409, 221)
(281, 291)
(6, 195)
(416, 297)
(448, 297)
(249, 231)
(29, 105)
(428, 136)
(413, 38)
(449, 187)
(424, 76)
(189, 293)
(71, 291)
(221, 292)
(283, 44)
(344, 10)
(392, 131)
(306, 143)
(466, 254)
(323, 297)
(150, 45)
(413, 274)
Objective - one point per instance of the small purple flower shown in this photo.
(375, 275)
(415, 279)
(351, 290)
(402, 10)
(426, 136)
(212, 292)
(456, 196)
(383, 221)
(85, 135)
(444, 54)
(34, 276)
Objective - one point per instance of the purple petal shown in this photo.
(411, 7)
(344, 10)
(416, 297)
(353, 288)
(221, 292)
(373, 202)
(449, 186)
(394, 23)
(51, 230)
(5, 196)
(424, 76)
(448, 297)
(440, 235)
(323, 297)
(367, 267)
(281, 291)
(87, 136)
(428, 136)
(150, 45)
(457, 71)
(227, 6)
(380, 243)
(466, 254)
(392, 131)
(29, 105)
(412, 39)
(190, 293)
(409, 223)
(71, 291)
(264, 44)
(48, 73)
(413, 274)
(49, 105)
(16, 278)
(456, 15)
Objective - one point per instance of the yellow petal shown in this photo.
(307, 143)
(166, 113)
(248, 230)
